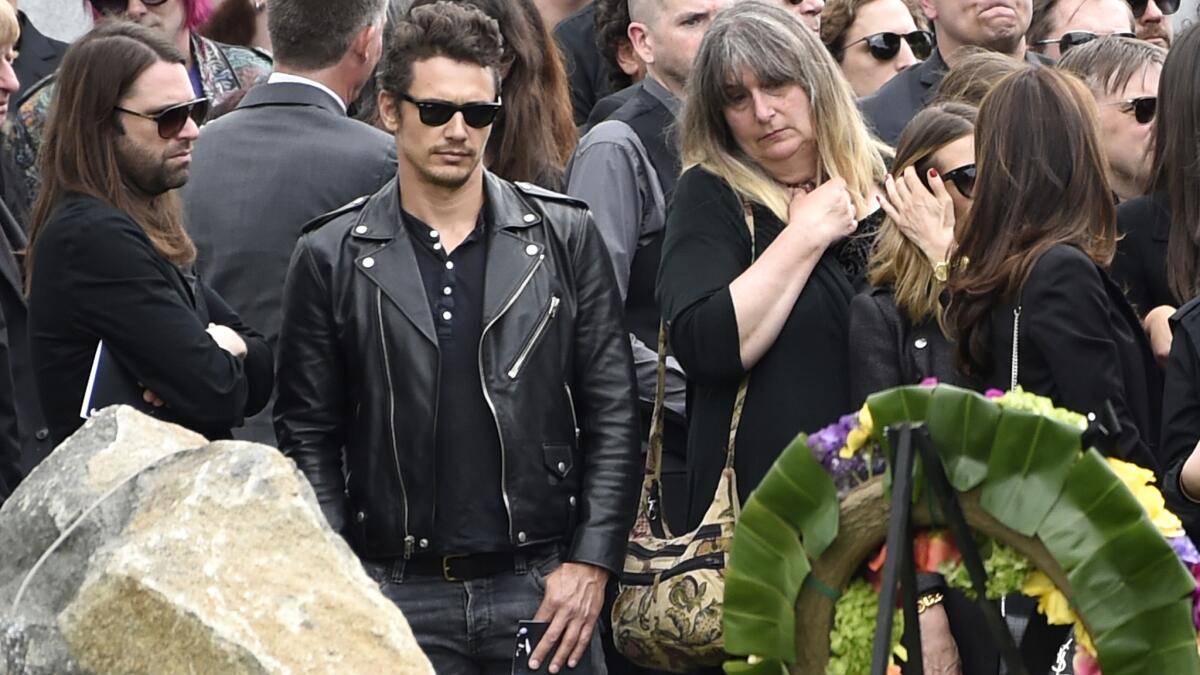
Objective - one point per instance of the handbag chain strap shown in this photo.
(1016, 361)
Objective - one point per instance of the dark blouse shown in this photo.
(1140, 266)
(800, 383)
(97, 277)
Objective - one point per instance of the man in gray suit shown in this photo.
(287, 154)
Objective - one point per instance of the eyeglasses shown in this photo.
(885, 46)
(1167, 7)
(1079, 37)
(120, 6)
(172, 120)
(963, 178)
(436, 113)
(1143, 108)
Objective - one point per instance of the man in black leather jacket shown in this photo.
(455, 378)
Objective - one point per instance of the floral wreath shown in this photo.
(1090, 538)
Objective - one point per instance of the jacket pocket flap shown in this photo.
(558, 458)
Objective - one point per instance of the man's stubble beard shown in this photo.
(145, 172)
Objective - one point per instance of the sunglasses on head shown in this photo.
(172, 120)
(435, 113)
(119, 6)
(1143, 108)
(885, 46)
(1167, 7)
(1079, 37)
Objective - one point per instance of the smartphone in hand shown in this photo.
(529, 634)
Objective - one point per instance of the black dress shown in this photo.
(96, 276)
(800, 383)
(1081, 344)
(1140, 266)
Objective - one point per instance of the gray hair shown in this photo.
(313, 34)
(772, 44)
(1108, 64)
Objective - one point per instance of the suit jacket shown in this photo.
(1081, 344)
(96, 277)
(1181, 412)
(1140, 266)
(38, 56)
(889, 110)
(285, 156)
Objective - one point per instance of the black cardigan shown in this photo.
(96, 276)
(1081, 344)
(800, 382)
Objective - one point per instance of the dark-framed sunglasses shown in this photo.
(1167, 7)
(172, 120)
(885, 46)
(1075, 38)
(119, 6)
(434, 113)
(963, 178)
(1143, 107)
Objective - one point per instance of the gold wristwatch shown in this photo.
(928, 600)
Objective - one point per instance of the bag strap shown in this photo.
(739, 401)
(657, 418)
(1016, 361)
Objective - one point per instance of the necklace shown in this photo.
(807, 186)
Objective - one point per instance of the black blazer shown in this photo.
(96, 276)
(887, 350)
(1081, 344)
(587, 69)
(37, 56)
(1181, 412)
(889, 110)
(1140, 266)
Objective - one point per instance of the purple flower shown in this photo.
(993, 393)
(1186, 550)
(929, 382)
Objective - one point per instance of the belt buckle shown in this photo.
(446, 566)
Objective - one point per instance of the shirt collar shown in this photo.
(664, 96)
(278, 77)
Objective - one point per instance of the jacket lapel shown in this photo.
(511, 258)
(392, 266)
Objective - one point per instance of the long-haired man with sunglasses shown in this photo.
(455, 377)
(218, 72)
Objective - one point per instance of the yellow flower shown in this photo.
(1140, 483)
(1051, 601)
(845, 452)
(865, 422)
(1084, 639)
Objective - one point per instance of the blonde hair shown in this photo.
(773, 45)
(895, 260)
(10, 28)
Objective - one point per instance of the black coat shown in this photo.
(890, 109)
(1140, 266)
(887, 350)
(1181, 412)
(359, 373)
(587, 69)
(37, 56)
(608, 105)
(96, 276)
(799, 385)
(1081, 344)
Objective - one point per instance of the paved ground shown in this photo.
(62, 19)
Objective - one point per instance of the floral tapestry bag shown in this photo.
(668, 610)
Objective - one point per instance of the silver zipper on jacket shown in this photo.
(387, 370)
(488, 398)
(574, 418)
(533, 340)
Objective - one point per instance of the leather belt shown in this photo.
(471, 566)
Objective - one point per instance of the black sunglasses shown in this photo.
(1079, 37)
(435, 113)
(1143, 108)
(1167, 7)
(885, 46)
(119, 6)
(172, 120)
(963, 178)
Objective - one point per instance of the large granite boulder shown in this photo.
(140, 547)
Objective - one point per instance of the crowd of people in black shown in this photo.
(425, 249)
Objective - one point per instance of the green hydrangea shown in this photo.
(853, 632)
(1019, 399)
(1006, 571)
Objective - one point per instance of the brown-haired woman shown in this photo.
(1035, 306)
(872, 40)
(535, 133)
(896, 335)
(976, 70)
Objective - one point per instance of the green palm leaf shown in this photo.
(1030, 458)
(962, 425)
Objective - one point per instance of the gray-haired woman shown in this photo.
(769, 122)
